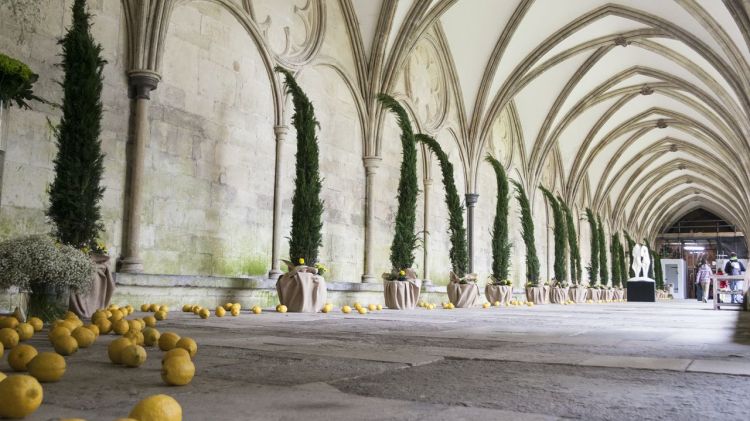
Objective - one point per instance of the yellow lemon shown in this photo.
(168, 341)
(36, 323)
(133, 356)
(144, 307)
(20, 356)
(325, 309)
(281, 309)
(372, 307)
(153, 308)
(25, 331)
(379, 307)
(9, 322)
(187, 344)
(227, 306)
(114, 350)
(164, 308)
(362, 310)
(120, 327)
(357, 306)
(175, 352)
(486, 305)
(497, 303)
(157, 408)
(20, 396)
(258, 310)
(3, 377)
(65, 345)
(238, 306)
(197, 310)
(346, 309)
(104, 325)
(47, 367)
(160, 315)
(149, 321)
(204, 313)
(134, 325)
(150, 336)
(432, 306)
(136, 337)
(84, 337)
(9, 337)
(177, 371)
(235, 311)
(69, 315)
(116, 315)
(220, 311)
(186, 308)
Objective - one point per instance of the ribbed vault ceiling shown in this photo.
(640, 105)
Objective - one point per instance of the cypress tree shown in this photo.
(405, 240)
(631, 245)
(459, 254)
(561, 237)
(623, 266)
(527, 232)
(575, 253)
(602, 239)
(615, 250)
(658, 273)
(500, 244)
(653, 261)
(307, 207)
(594, 265)
(76, 190)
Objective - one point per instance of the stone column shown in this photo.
(280, 135)
(426, 234)
(471, 202)
(371, 163)
(141, 82)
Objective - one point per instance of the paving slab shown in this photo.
(720, 367)
(647, 363)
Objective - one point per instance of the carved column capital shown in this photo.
(371, 163)
(471, 199)
(142, 82)
(280, 132)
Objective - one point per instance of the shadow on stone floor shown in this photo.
(742, 330)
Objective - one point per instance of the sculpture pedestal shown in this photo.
(641, 290)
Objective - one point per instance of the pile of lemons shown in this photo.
(220, 311)
(426, 305)
(359, 308)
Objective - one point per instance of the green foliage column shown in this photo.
(501, 246)
(623, 266)
(594, 265)
(615, 251)
(561, 237)
(527, 232)
(307, 207)
(631, 245)
(602, 241)
(76, 191)
(405, 240)
(652, 256)
(575, 253)
(459, 254)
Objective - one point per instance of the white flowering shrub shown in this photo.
(36, 262)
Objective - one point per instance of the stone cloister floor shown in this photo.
(665, 360)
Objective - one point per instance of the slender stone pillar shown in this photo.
(141, 82)
(471, 202)
(426, 234)
(280, 133)
(371, 163)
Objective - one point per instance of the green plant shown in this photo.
(651, 267)
(17, 82)
(615, 248)
(575, 253)
(623, 266)
(527, 232)
(631, 245)
(593, 267)
(76, 191)
(501, 246)
(307, 207)
(561, 236)
(405, 240)
(602, 241)
(458, 253)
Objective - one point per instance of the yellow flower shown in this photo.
(301, 261)
(401, 273)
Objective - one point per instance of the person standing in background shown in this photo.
(734, 267)
(703, 279)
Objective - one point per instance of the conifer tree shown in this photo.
(602, 239)
(527, 232)
(561, 237)
(76, 190)
(405, 240)
(631, 245)
(653, 261)
(615, 250)
(501, 246)
(307, 207)
(458, 253)
(594, 265)
(623, 266)
(575, 253)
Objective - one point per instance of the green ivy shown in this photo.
(594, 265)
(501, 246)
(405, 240)
(458, 253)
(602, 241)
(307, 207)
(76, 190)
(576, 273)
(527, 232)
(17, 82)
(561, 237)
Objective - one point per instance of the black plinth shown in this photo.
(642, 291)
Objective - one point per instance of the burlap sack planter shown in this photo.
(593, 294)
(463, 293)
(619, 294)
(12, 298)
(302, 290)
(558, 295)
(501, 293)
(102, 288)
(578, 294)
(609, 294)
(536, 295)
(402, 295)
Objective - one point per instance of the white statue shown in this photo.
(641, 260)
